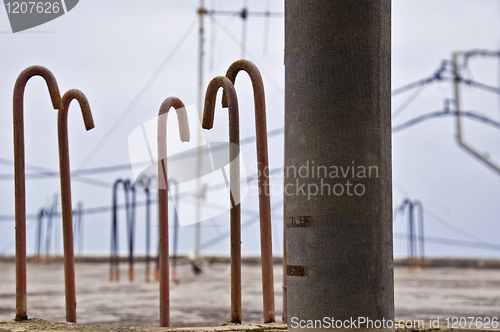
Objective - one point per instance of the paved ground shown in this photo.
(447, 292)
(204, 300)
(198, 300)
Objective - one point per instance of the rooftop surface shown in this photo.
(204, 300)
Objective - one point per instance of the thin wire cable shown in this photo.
(113, 168)
(443, 113)
(445, 66)
(408, 101)
(442, 221)
(453, 242)
(480, 85)
(251, 56)
(11, 243)
(452, 227)
(48, 173)
(138, 97)
(108, 208)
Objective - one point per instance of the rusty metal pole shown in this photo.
(263, 180)
(409, 254)
(411, 226)
(176, 229)
(145, 181)
(284, 316)
(234, 140)
(38, 238)
(65, 176)
(338, 114)
(114, 271)
(19, 176)
(80, 232)
(163, 197)
(130, 187)
(421, 236)
(148, 233)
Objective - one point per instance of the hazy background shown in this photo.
(127, 56)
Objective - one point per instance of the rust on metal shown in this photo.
(305, 221)
(296, 271)
(67, 213)
(130, 187)
(173, 182)
(263, 180)
(284, 316)
(114, 269)
(145, 181)
(114, 273)
(19, 176)
(235, 212)
(163, 198)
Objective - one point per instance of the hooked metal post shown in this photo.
(65, 176)
(20, 178)
(402, 207)
(235, 212)
(176, 230)
(51, 213)
(38, 238)
(79, 231)
(148, 226)
(163, 197)
(114, 271)
(263, 180)
(145, 181)
(421, 237)
(413, 260)
(129, 186)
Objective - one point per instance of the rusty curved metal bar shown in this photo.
(176, 229)
(38, 238)
(234, 170)
(163, 197)
(67, 213)
(263, 181)
(130, 187)
(114, 273)
(421, 237)
(146, 182)
(19, 176)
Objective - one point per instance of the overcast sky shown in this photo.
(127, 56)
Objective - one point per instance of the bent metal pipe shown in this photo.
(163, 197)
(114, 272)
(234, 170)
(263, 180)
(19, 176)
(67, 214)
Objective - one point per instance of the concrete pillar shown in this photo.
(338, 161)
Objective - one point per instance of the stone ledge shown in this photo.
(35, 325)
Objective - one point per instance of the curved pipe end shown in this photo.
(84, 105)
(181, 116)
(235, 68)
(211, 95)
(29, 72)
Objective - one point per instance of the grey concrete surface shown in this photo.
(338, 117)
(203, 300)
